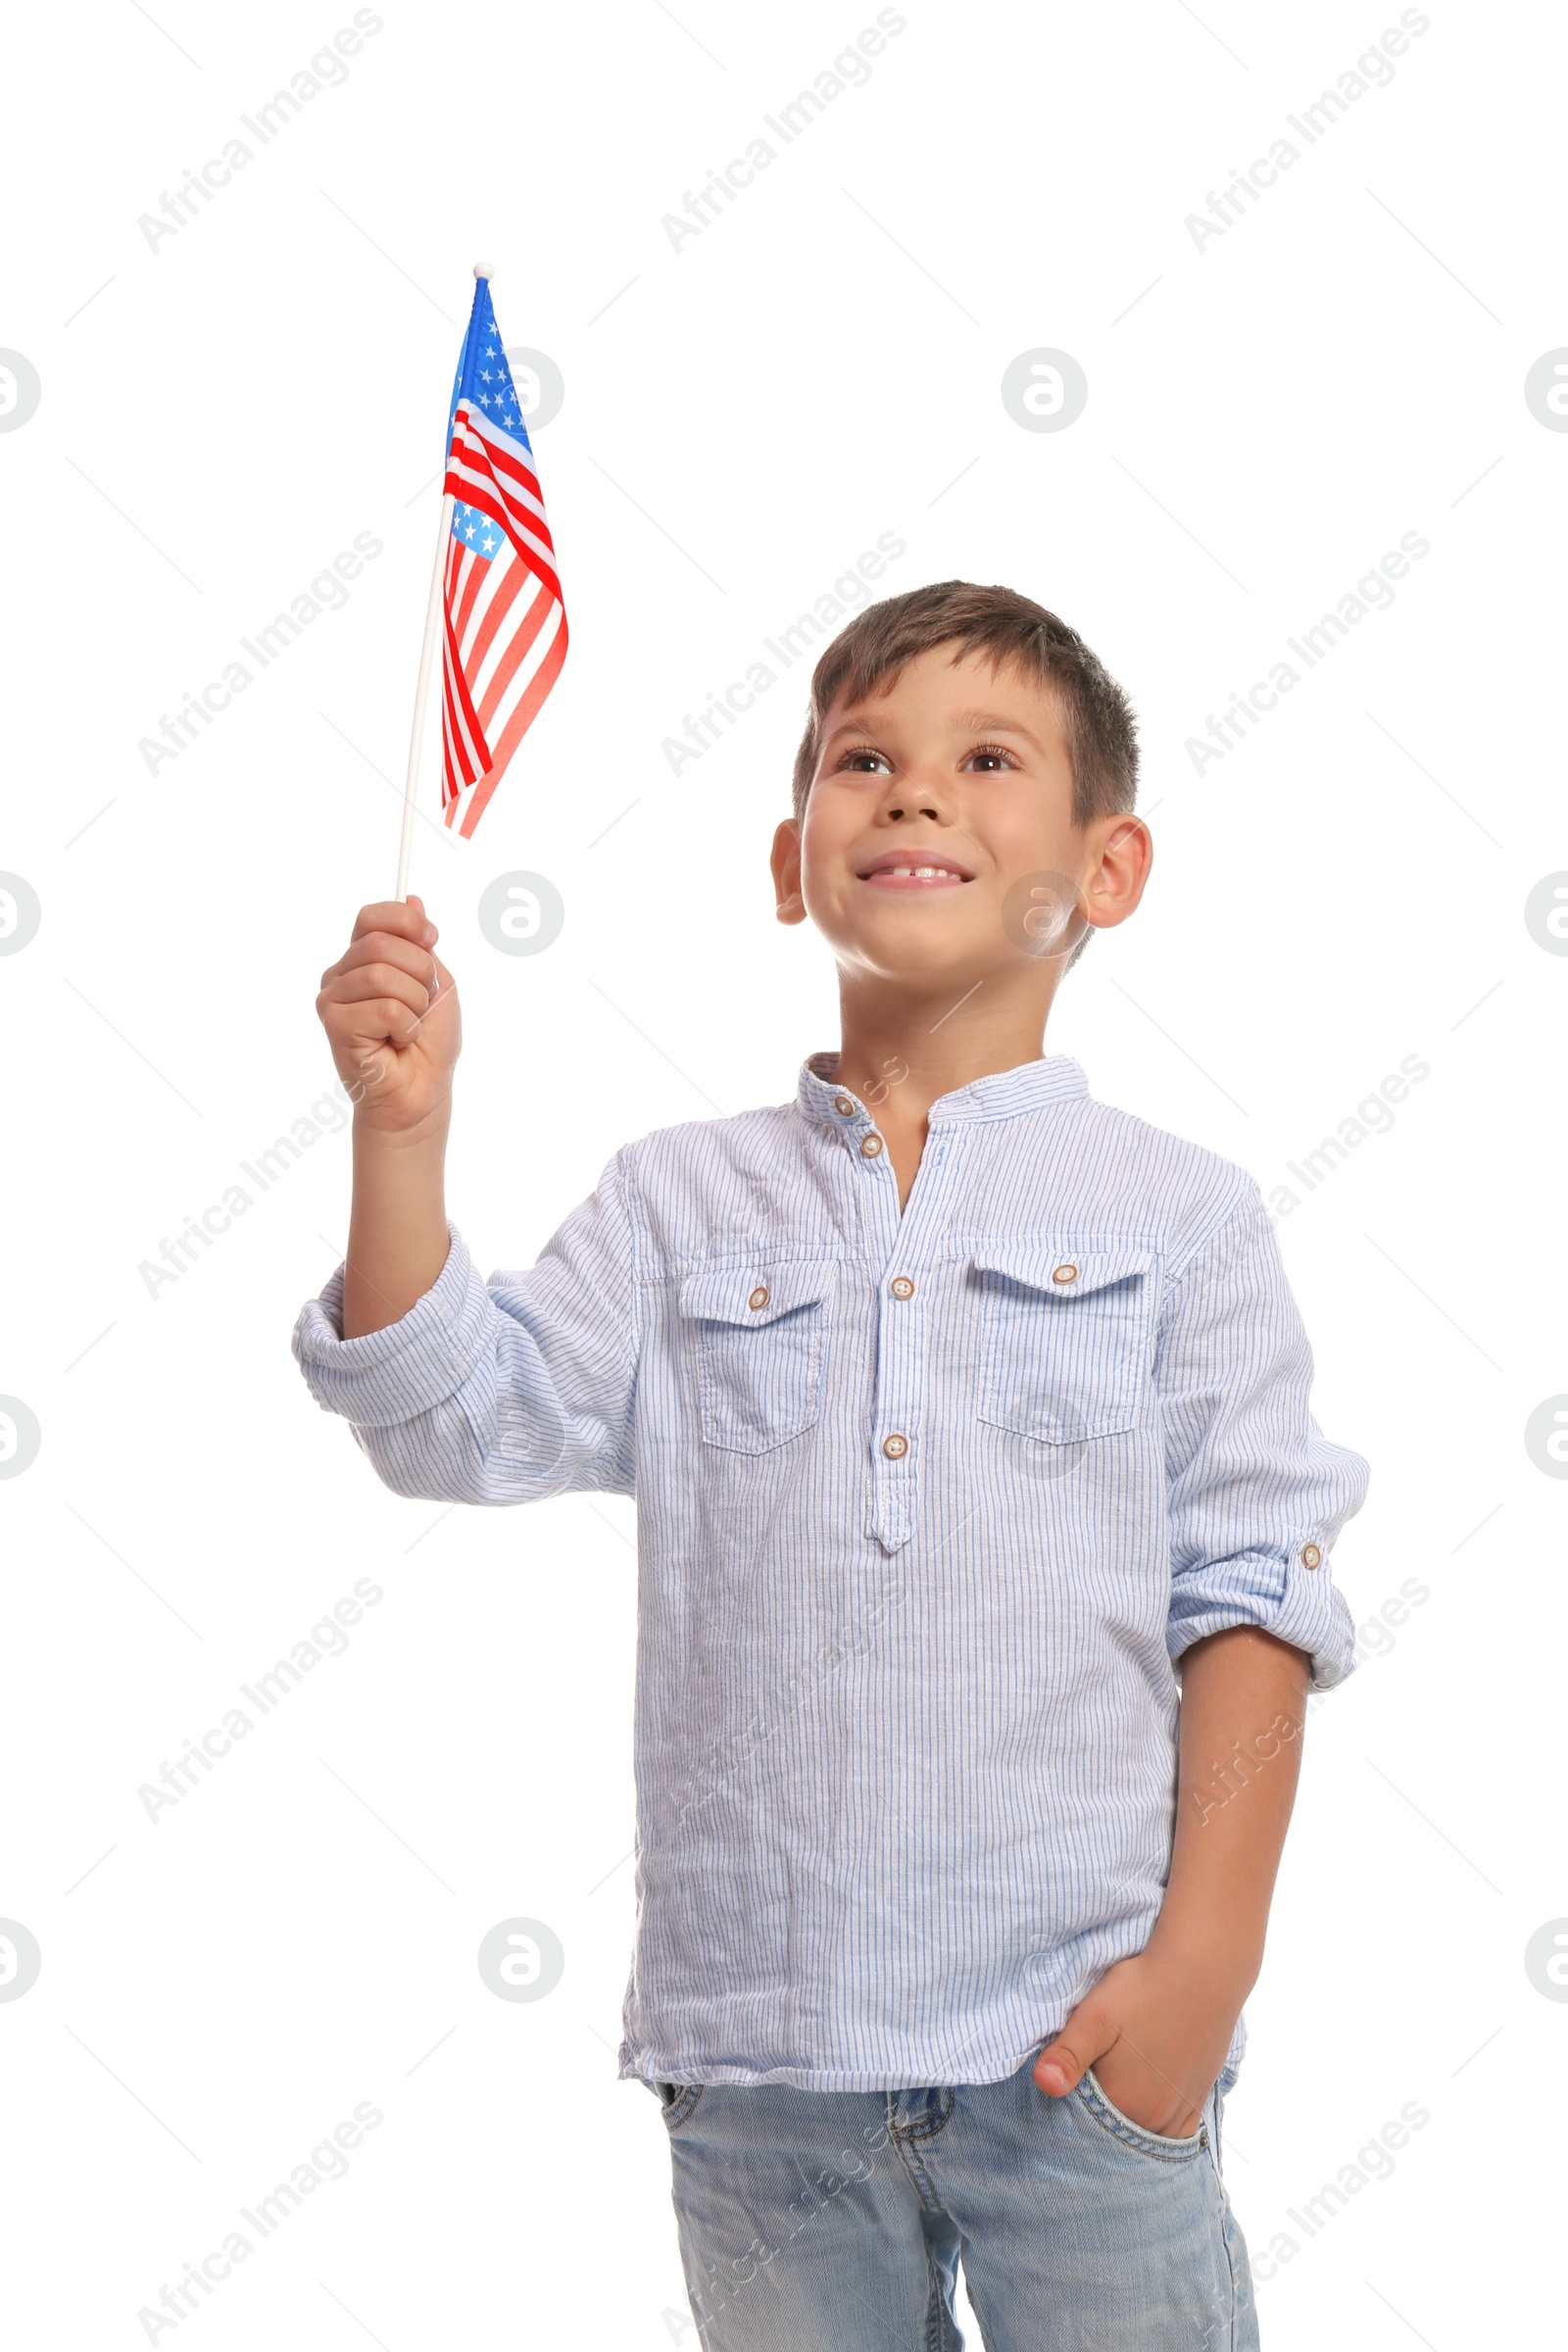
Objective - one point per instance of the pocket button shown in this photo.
(760, 1296)
(1064, 1273)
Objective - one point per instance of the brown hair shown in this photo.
(1096, 716)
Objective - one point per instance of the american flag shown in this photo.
(505, 623)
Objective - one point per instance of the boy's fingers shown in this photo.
(372, 1021)
(1061, 2064)
(370, 982)
(391, 914)
(386, 948)
(376, 1017)
(1058, 2069)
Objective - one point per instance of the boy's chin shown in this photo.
(924, 957)
(948, 921)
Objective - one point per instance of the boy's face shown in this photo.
(938, 836)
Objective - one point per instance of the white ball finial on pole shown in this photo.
(482, 270)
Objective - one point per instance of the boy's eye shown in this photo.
(988, 758)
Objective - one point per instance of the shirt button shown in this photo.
(902, 1287)
(760, 1296)
(870, 1145)
(1067, 1272)
(844, 1107)
(895, 1447)
(1312, 1558)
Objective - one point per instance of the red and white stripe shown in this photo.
(506, 625)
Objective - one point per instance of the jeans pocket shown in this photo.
(1110, 2119)
(676, 2100)
(1066, 1338)
(759, 1333)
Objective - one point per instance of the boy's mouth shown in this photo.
(914, 869)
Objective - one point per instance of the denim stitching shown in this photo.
(678, 2109)
(928, 2126)
(1151, 2144)
(1225, 2242)
(916, 2170)
(935, 2309)
(937, 2339)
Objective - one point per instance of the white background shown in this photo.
(219, 417)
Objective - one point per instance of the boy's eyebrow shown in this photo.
(971, 722)
(854, 724)
(991, 722)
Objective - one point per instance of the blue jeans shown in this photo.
(834, 2221)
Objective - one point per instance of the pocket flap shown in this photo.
(757, 1292)
(1061, 1272)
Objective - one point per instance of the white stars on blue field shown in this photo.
(485, 382)
(476, 531)
(492, 387)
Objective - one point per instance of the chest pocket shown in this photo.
(759, 1333)
(1066, 1339)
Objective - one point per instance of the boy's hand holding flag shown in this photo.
(389, 1005)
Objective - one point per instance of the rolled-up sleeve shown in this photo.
(498, 1392)
(1257, 1494)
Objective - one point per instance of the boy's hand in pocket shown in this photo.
(1156, 2031)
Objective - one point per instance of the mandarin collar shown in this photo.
(1000, 1094)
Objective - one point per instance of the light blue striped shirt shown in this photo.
(928, 1504)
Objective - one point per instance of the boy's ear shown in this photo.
(1126, 855)
(786, 865)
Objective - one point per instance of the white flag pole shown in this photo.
(421, 696)
(422, 693)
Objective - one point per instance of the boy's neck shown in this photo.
(902, 1052)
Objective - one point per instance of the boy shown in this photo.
(958, 1408)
